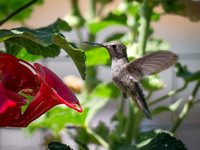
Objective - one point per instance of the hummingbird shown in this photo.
(126, 75)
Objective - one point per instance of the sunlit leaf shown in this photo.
(174, 106)
(152, 83)
(97, 56)
(106, 90)
(112, 19)
(57, 118)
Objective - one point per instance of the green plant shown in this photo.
(136, 16)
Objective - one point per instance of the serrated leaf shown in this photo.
(145, 137)
(164, 141)
(45, 42)
(19, 52)
(77, 55)
(58, 25)
(58, 146)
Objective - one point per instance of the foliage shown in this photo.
(8, 7)
(135, 16)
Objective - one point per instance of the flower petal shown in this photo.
(52, 92)
(15, 76)
(3, 99)
(54, 82)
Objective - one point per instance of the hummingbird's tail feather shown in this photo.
(140, 100)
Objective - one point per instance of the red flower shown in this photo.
(16, 76)
(52, 92)
(10, 107)
(47, 88)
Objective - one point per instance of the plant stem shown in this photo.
(129, 123)
(146, 12)
(91, 16)
(92, 9)
(149, 95)
(100, 140)
(17, 11)
(171, 93)
(186, 108)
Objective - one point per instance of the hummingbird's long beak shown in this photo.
(95, 44)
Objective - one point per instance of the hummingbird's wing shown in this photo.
(151, 64)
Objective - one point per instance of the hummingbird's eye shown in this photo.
(114, 46)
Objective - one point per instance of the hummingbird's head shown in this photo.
(116, 49)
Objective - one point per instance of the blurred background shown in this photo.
(183, 37)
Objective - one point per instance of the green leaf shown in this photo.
(97, 56)
(99, 98)
(83, 138)
(144, 138)
(155, 16)
(182, 71)
(152, 83)
(81, 144)
(46, 42)
(58, 25)
(77, 55)
(102, 130)
(58, 146)
(172, 107)
(22, 54)
(164, 141)
(57, 118)
(117, 142)
(10, 6)
(94, 104)
(114, 37)
(112, 19)
(160, 110)
(106, 90)
(187, 8)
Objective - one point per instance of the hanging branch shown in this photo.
(186, 108)
(171, 93)
(17, 11)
